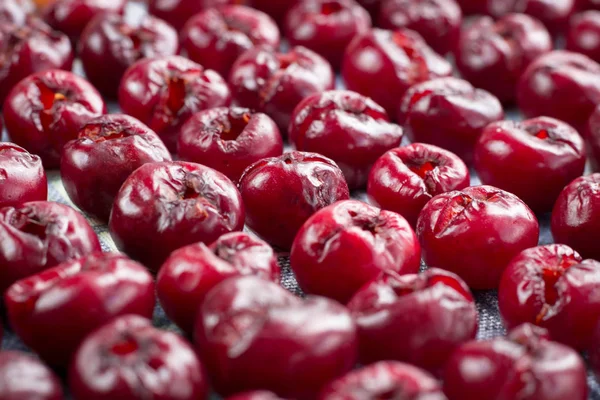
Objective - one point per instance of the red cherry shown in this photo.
(22, 175)
(23, 376)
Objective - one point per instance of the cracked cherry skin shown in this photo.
(190, 272)
(165, 92)
(46, 110)
(395, 60)
(326, 26)
(532, 159)
(108, 149)
(23, 376)
(475, 233)
(492, 55)
(128, 358)
(404, 179)
(576, 216)
(167, 205)
(22, 175)
(216, 37)
(347, 127)
(229, 139)
(583, 35)
(354, 240)
(253, 334)
(91, 290)
(38, 235)
(281, 193)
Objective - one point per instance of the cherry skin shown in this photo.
(167, 205)
(403, 180)
(192, 271)
(584, 34)
(576, 216)
(326, 26)
(588, 4)
(281, 193)
(165, 92)
(16, 11)
(128, 358)
(229, 139)
(533, 159)
(493, 55)
(395, 60)
(51, 300)
(22, 175)
(525, 365)
(38, 235)
(276, 9)
(253, 334)
(383, 380)
(255, 395)
(372, 6)
(45, 110)
(437, 21)
(593, 353)
(354, 240)
(274, 83)
(22, 376)
(178, 12)
(216, 37)
(475, 233)
(592, 137)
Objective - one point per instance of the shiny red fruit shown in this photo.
(281, 193)
(588, 4)
(229, 139)
(353, 240)
(22, 175)
(592, 137)
(584, 34)
(192, 271)
(47, 109)
(276, 9)
(177, 12)
(24, 377)
(255, 395)
(16, 11)
(253, 334)
(475, 233)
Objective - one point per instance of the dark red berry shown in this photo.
(22, 176)
(592, 136)
(24, 377)
(177, 12)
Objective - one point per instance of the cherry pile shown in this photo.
(339, 137)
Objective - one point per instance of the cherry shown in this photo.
(16, 11)
(253, 334)
(592, 136)
(403, 180)
(167, 205)
(128, 358)
(22, 176)
(165, 92)
(177, 12)
(588, 4)
(38, 235)
(23, 376)
(45, 110)
(533, 159)
(190, 272)
(584, 34)
(394, 60)
(281, 193)
(229, 139)
(372, 6)
(354, 240)
(475, 233)
(255, 395)
(276, 9)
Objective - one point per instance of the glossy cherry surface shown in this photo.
(16, 11)
(584, 34)
(255, 395)
(22, 175)
(592, 137)
(177, 12)
(22, 376)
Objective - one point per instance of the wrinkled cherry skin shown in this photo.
(46, 110)
(592, 137)
(216, 37)
(128, 358)
(562, 85)
(165, 92)
(111, 43)
(533, 159)
(39, 235)
(475, 233)
(255, 395)
(576, 216)
(164, 206)
(22, 175)
(437, 21)
(395, 60)
(253, 334)
(190, 272)
(449, 113)
(384, 380)
(354, 240)
(91, 290)
(584, 34)
(274, 83)
(525, 365)
(24, 377)
(229, 139)
(347, 127)
(493, 55)
(108, 149)
(326, 26)
(28, 48)
(403, 180)
(16, 11)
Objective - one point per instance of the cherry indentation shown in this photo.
(177, 90)
(285, 60)
(35, 228)
(234, 126)
(125, 347)
(331, 7)
(423, 168)
(542, 134)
